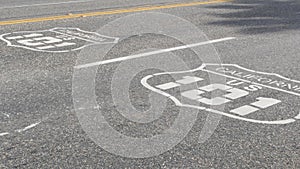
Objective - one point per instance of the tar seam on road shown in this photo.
(111, 12)
(152, 53)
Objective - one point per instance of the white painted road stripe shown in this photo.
(22, 130)
(298, 117)
(3, 134)
(45, 4)
(152, 53)
(28, 127)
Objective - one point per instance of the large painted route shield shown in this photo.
(248, 95)
(55, 40)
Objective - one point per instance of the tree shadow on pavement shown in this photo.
(260, 16)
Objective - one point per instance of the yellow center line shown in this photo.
(110, 12)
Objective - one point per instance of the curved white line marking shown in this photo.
(287, 121)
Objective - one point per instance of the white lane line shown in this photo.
(3, 134)
(152, 53)
(45, 4)
(21, 130)
(6, 115)
(28, 127)
(298, 117)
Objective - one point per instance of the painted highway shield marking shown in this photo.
(56, 39)
(249, 95)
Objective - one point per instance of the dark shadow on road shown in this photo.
(260, 16)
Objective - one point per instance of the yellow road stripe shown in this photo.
(119, 11)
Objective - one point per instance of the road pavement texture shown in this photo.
(219, 78)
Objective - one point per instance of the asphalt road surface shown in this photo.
(150, 84)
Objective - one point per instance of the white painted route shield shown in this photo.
(248, 95)
(55, 39)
